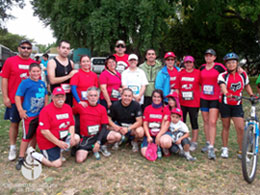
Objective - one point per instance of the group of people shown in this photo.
(148, 103)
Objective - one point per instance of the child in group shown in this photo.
(31, 96)
(180, 134)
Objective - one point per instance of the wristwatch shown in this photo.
(99, 142)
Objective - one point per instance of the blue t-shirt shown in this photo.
(45, 65)
(33, 93)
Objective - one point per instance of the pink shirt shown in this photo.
(113, 82)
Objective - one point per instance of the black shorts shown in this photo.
(175, 148)
(205, 105)
(193, 113)
(87, 142)
(227, 111)
(12, 114)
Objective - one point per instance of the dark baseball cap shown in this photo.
(25, 41)
(211, 51)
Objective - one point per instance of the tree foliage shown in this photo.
(10, 40)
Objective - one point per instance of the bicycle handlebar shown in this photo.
(252, 99)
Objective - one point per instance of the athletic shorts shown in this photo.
(193, 113)
(12, 114)
(52, 154)
(205, 105)
(87, 143)
(175, 148)
(28, 130)
(227, 111)
(145, 143)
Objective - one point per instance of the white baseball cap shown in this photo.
(132, 57)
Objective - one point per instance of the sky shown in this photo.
(30, 26)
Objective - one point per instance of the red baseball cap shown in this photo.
(188, 59)
(177, 111)
(58, 91)
(169, 54)
(174, 95)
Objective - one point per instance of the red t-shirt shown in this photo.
(113, 82)
(91, 119)
(83, 80)
(15, 69)
(235, 85)
(57, 121)
(173, 77)
(154, 117)
(122, 62)
(210, 89)
(188, 84)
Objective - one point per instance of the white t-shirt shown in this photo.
(180, 126)
(134, 80)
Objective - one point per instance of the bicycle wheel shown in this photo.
(249, 156)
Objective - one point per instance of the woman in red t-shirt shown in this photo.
(110, 83)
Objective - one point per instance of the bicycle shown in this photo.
(250, 141)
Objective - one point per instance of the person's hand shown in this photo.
(7, 102)
(228, 95)
(137, 98)
(178, 142)
(23, 114)
(73, 72)
(96, 147)
(149, 139)
(109, 104)
(157, 140)
(63, 145)
(123, 130)
(117, 128)
(240, 70)
(84, 104)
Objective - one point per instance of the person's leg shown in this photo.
(138, 133)
(213, 117)
(193, 114)
(81, 155)
(113, 137)
(205, 117)
(225, 130)
(144, 146)
(239, 126)
(166, 141)
(13, 132)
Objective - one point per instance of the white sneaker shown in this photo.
(224, 153)
(115, 146)
(135, 147)
(104, 151)
(166, 152)
(193, 146)
(12, 154)
(29, 152)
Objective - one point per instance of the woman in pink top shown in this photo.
(110, 83)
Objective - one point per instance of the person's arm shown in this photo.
(249, 90)
(18, 103)
(114, 126)
(72, 135)
(46, 100)
(223, 88)
(51, 66)
(186, 135)
(49, 136)
(138, 123)
(6, 100)
(141, 93)
(164, 128)
(99, 138)
(146, 131)
(103, 89)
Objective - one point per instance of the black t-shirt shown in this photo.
(124, 114)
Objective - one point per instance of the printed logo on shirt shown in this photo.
(187, 86)
(41, 123)
(62, 116)
(24, 76)
(236, 86)
(191, 79)
(23, 67)
(173, 78)
(158, 116)
(64, 125)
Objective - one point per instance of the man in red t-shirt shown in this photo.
(56, 131)
(121, 56)
(15, 70)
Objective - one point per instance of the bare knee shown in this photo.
(165, 141)
(139, 132)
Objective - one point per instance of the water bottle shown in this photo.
(67, 140)
(96, 154)
(159, 152)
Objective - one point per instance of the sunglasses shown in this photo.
(120, 46)
(170, 59)
(188, 62)
(28, 48)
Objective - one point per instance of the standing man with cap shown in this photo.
(121, 56)
(60, 70)
(15, 70)
(135, 79)
(150, 67)
(167, 77)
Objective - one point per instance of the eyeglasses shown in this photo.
(120, 45)
(28, 48)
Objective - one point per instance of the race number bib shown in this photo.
(115, 93)
(155, 128)
(208, 89)
(135, 89)
(121, 66)
(93, 130)
(125, 125)
(65, 87)
(84, 95)
(187, 95)
(63, 134)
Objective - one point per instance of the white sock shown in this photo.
(12, 147)
(38, 156)
(187, 153)
(211, 146)
(224, 148)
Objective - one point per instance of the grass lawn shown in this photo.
(125, 172)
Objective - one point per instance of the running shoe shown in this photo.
(104, 151)
(115, 146)
(166, 152)
(205, 148)
(193, 146)
(97, 155)
(29, 152)
(211, 153)
(12, 154)
(189, 157)
(224, 153)
(19, 163)
(239, 155)
(135, 147)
